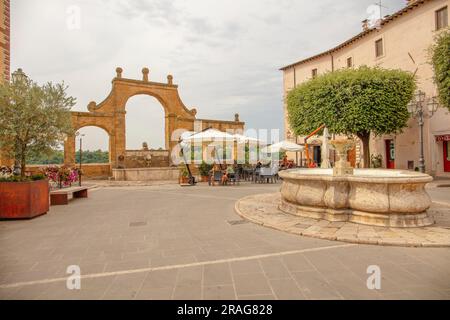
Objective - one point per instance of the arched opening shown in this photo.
(145, 123)
(93, 142)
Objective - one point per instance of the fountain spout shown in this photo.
(343, 167)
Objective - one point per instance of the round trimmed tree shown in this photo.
(354, 102)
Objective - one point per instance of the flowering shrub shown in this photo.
(5, 173)
(62, 176)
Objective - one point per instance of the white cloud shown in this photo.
(224, 54)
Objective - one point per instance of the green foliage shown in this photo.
(352, 101)
(204, 169)
(183, 170)
(51, 157)
(13, 178)
(376, 161)
(359, 102)
(97, 156)
(38, 177)
(57, 157)
(33, 119)
(440, 53)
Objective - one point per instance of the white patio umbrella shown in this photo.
(244, 139)
(283, 146)
(185, 135)
(210, 135)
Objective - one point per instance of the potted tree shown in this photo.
(33, 120)
(184, 175)
(204, 170)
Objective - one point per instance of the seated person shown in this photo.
(213, 173)
(231, 172)
(285, 162)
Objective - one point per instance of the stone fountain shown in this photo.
(378, 197)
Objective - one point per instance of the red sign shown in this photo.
(443, 138)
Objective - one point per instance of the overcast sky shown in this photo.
(224, 54)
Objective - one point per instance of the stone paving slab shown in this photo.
(264, 209)
(183, 243)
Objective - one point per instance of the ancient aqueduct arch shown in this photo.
(110, 114)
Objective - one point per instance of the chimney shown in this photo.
(365, 25)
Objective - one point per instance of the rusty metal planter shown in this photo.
(24, 200)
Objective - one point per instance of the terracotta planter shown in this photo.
(184, 180)
(24, 200)
(205, 178)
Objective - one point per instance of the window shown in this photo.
(349, 62)
(379, 48)
(441, 18)
(314, 73)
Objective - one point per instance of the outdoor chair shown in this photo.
(255, 175)
(234, 177)
(247, 174)
(268, 174)
(216, 176)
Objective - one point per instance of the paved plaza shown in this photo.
(169, 242)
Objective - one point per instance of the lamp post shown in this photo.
(18, 77)
(78, 134)
(416, 109)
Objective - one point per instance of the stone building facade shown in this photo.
(401, 41)
(5, 46)
(5, 50)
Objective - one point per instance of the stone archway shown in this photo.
(110, 114)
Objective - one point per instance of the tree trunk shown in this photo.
(23, 160)
(23, 165)
(365, 139)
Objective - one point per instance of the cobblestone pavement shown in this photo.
(168, 242)
(263, 209)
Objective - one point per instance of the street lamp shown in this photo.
(78, 134)
(19, 76)
(416, 109)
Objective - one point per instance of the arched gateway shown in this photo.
(110, 114)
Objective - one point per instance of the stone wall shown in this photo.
(146, 174)
(91, 170)
(146, 158)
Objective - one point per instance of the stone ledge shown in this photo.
(263, 209)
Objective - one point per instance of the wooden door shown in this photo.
(351, 157)
(446, 145)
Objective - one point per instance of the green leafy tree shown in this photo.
(57, 157)
(97, 156)
(359, 102)
(33, 119)
(440, 58)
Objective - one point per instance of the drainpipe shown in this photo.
(332, 62)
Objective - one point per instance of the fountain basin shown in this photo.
(378, 197)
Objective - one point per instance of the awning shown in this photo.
(445, 137)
